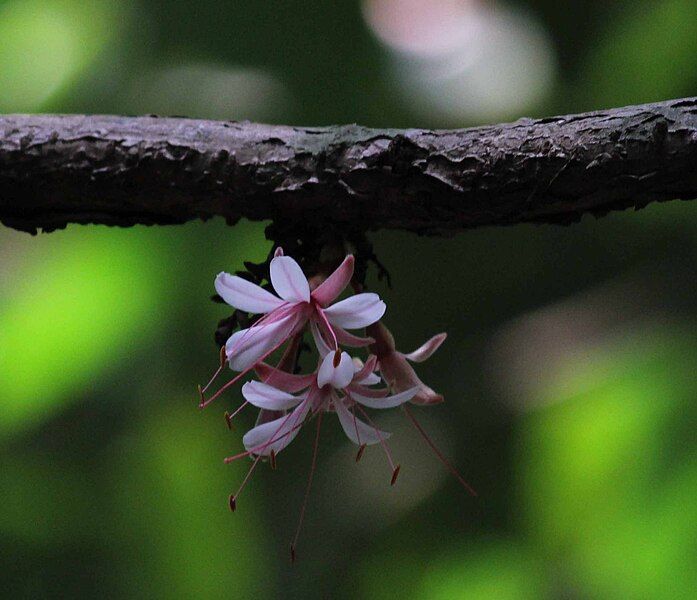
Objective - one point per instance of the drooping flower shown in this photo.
(339, 385)
(394, 365)
(287, 314)
(286, 399)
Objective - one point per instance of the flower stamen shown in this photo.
(328, 326)
(438, 453)
(313, 465)
(385, 447)
(233, 498)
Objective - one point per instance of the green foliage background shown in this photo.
(569, 370)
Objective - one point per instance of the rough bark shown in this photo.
(60, 169)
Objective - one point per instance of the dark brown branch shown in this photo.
(56, 170)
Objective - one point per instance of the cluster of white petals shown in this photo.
(340, 384)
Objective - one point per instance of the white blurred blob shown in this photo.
(464, 59)
(210, 91)
(366, 496)
(573, 347)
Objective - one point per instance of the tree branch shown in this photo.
(56, 170)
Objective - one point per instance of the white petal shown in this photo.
(268, 397)
(288, 279)
(338, 376)
(369, 379)
(247, 347)
(355, 429)
(277, 434)
(322, 348)
(360, 310)
(387, 401)
(427, 349)
(245, 295)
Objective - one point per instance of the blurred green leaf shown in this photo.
(45, 44)
(84, 300)
(648, 52)
(607, 478)
(178, 536)
(496, 569)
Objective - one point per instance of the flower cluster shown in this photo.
(340, 384)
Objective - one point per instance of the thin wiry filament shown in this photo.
(250, 331)
(272, 439)
(237, 377)
(230, 417)
(233, 499)
(326, 323)
(385, 447)
(361, 447)
(313, 465)
(218, 371)
(438, 453)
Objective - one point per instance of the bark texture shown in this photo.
(60, 169)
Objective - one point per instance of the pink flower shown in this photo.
(287, 314)
(295, 305)
(395, 368)
(339, 385)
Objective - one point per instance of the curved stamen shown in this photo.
(218, 371)
(239, 376)
(327, 324)
(385, 447)
(361, 447)
(313, 465)
(438, 453)
(233, 498)
(273, 438)
(229, 417)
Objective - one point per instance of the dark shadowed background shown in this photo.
(569, 371)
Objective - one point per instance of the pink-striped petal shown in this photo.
(344, 338)
(247, 347)
(363, 370)
(275, 435)
(288, 382)
(338, 376)
(369, 379)
(360, 388)
(400, 376)
(387, 401)
(245, 295)
(333, 285)
(322, 348)
(357, 311)
(426, 350)
(288, 279)
(356, 430)
(266, 416)
(266, 396)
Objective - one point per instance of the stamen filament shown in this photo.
(326, 323)
(313, 465)
(385, 447)
(233, 499)
(272, 440)
(229, 417)
(237, 377)
(438, 453)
